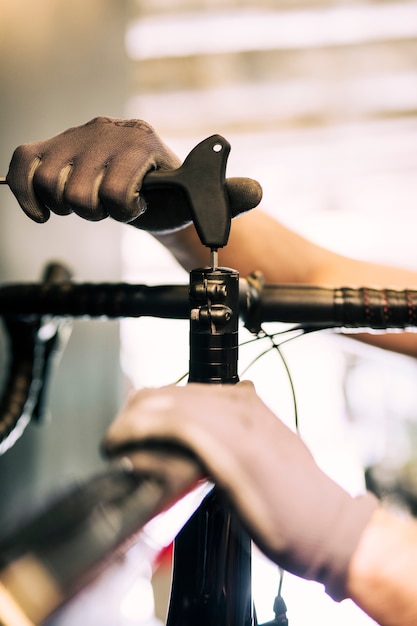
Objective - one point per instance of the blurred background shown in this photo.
(319, 102)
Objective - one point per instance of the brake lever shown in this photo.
(202, 177)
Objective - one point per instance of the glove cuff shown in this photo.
(354, 515)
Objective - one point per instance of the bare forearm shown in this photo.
(382, 578)
(259, 242)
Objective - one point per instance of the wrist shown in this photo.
(185, 246)
(381, 575)
(353, 516)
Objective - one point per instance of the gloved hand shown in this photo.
(96, 170)
(295, 513)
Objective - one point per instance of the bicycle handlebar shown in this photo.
(338, 307)
(63, 546)
(326, 307)
(31, 309)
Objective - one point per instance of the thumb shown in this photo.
(244, 194)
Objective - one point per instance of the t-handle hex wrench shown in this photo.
(202, 178)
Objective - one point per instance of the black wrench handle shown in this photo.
(202, 177)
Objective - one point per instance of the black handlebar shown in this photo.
(341, 307)
(29, 309)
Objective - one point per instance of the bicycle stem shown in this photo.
(214, 319)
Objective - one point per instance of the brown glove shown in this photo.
(96, 170)
(296, 514)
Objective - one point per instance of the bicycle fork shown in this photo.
(211, 583)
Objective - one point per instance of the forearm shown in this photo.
(382, 577)
(259, 242)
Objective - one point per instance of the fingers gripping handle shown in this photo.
(202, 177)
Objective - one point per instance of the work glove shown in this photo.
(96, 170)
(294, 512)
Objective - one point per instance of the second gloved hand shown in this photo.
(96, 170)
(296, 514)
